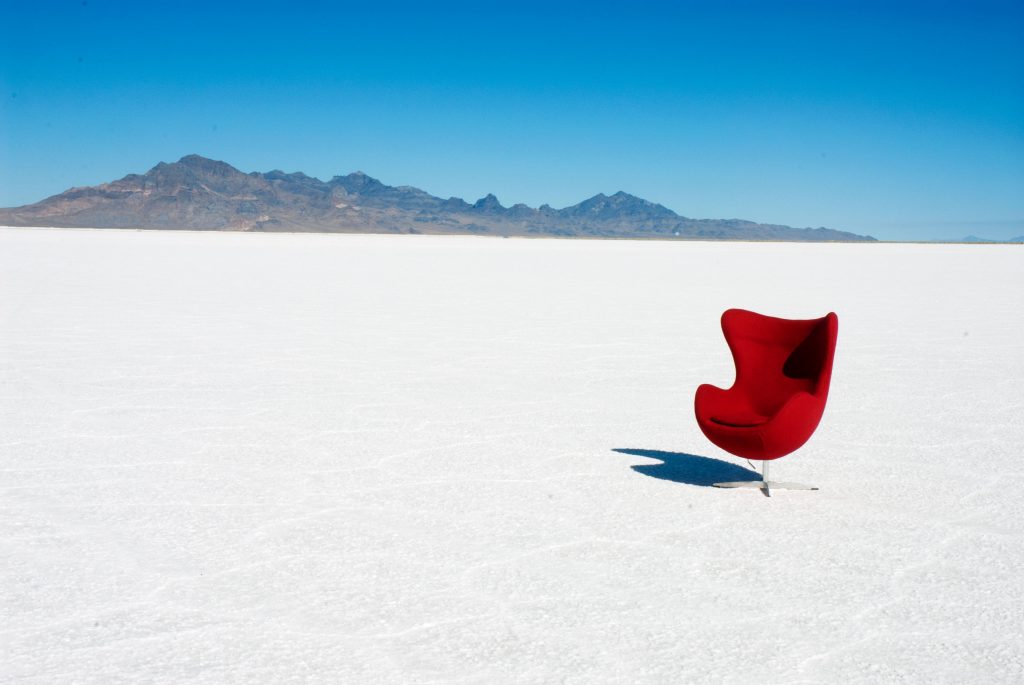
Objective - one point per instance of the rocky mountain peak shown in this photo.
(488, 203)
(358, 182)
(621, 205)
(204, 165)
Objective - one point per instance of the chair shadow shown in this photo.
(680, 467)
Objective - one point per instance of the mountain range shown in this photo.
(976, 239)
(203, 194)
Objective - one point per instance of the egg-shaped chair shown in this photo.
(783, 372)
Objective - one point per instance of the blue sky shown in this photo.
(902, 120)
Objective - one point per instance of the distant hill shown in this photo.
(976, 239)
(203, 194)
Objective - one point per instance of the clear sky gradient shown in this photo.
(901, 120)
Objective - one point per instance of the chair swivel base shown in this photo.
(766, 486)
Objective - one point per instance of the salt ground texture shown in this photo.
(397, 459)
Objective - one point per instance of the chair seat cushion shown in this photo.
(740, 418)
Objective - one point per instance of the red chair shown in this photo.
(783, 369)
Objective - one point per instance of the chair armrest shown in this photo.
(793, 424)
(799, 404)
(708, 400)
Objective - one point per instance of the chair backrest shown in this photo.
(776, 358)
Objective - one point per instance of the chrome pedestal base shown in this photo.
(765, 485)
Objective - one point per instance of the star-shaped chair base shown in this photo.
(765, 485)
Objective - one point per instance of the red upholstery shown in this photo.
(783, 369)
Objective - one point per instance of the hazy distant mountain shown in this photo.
(200, 193)
(976, 239)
